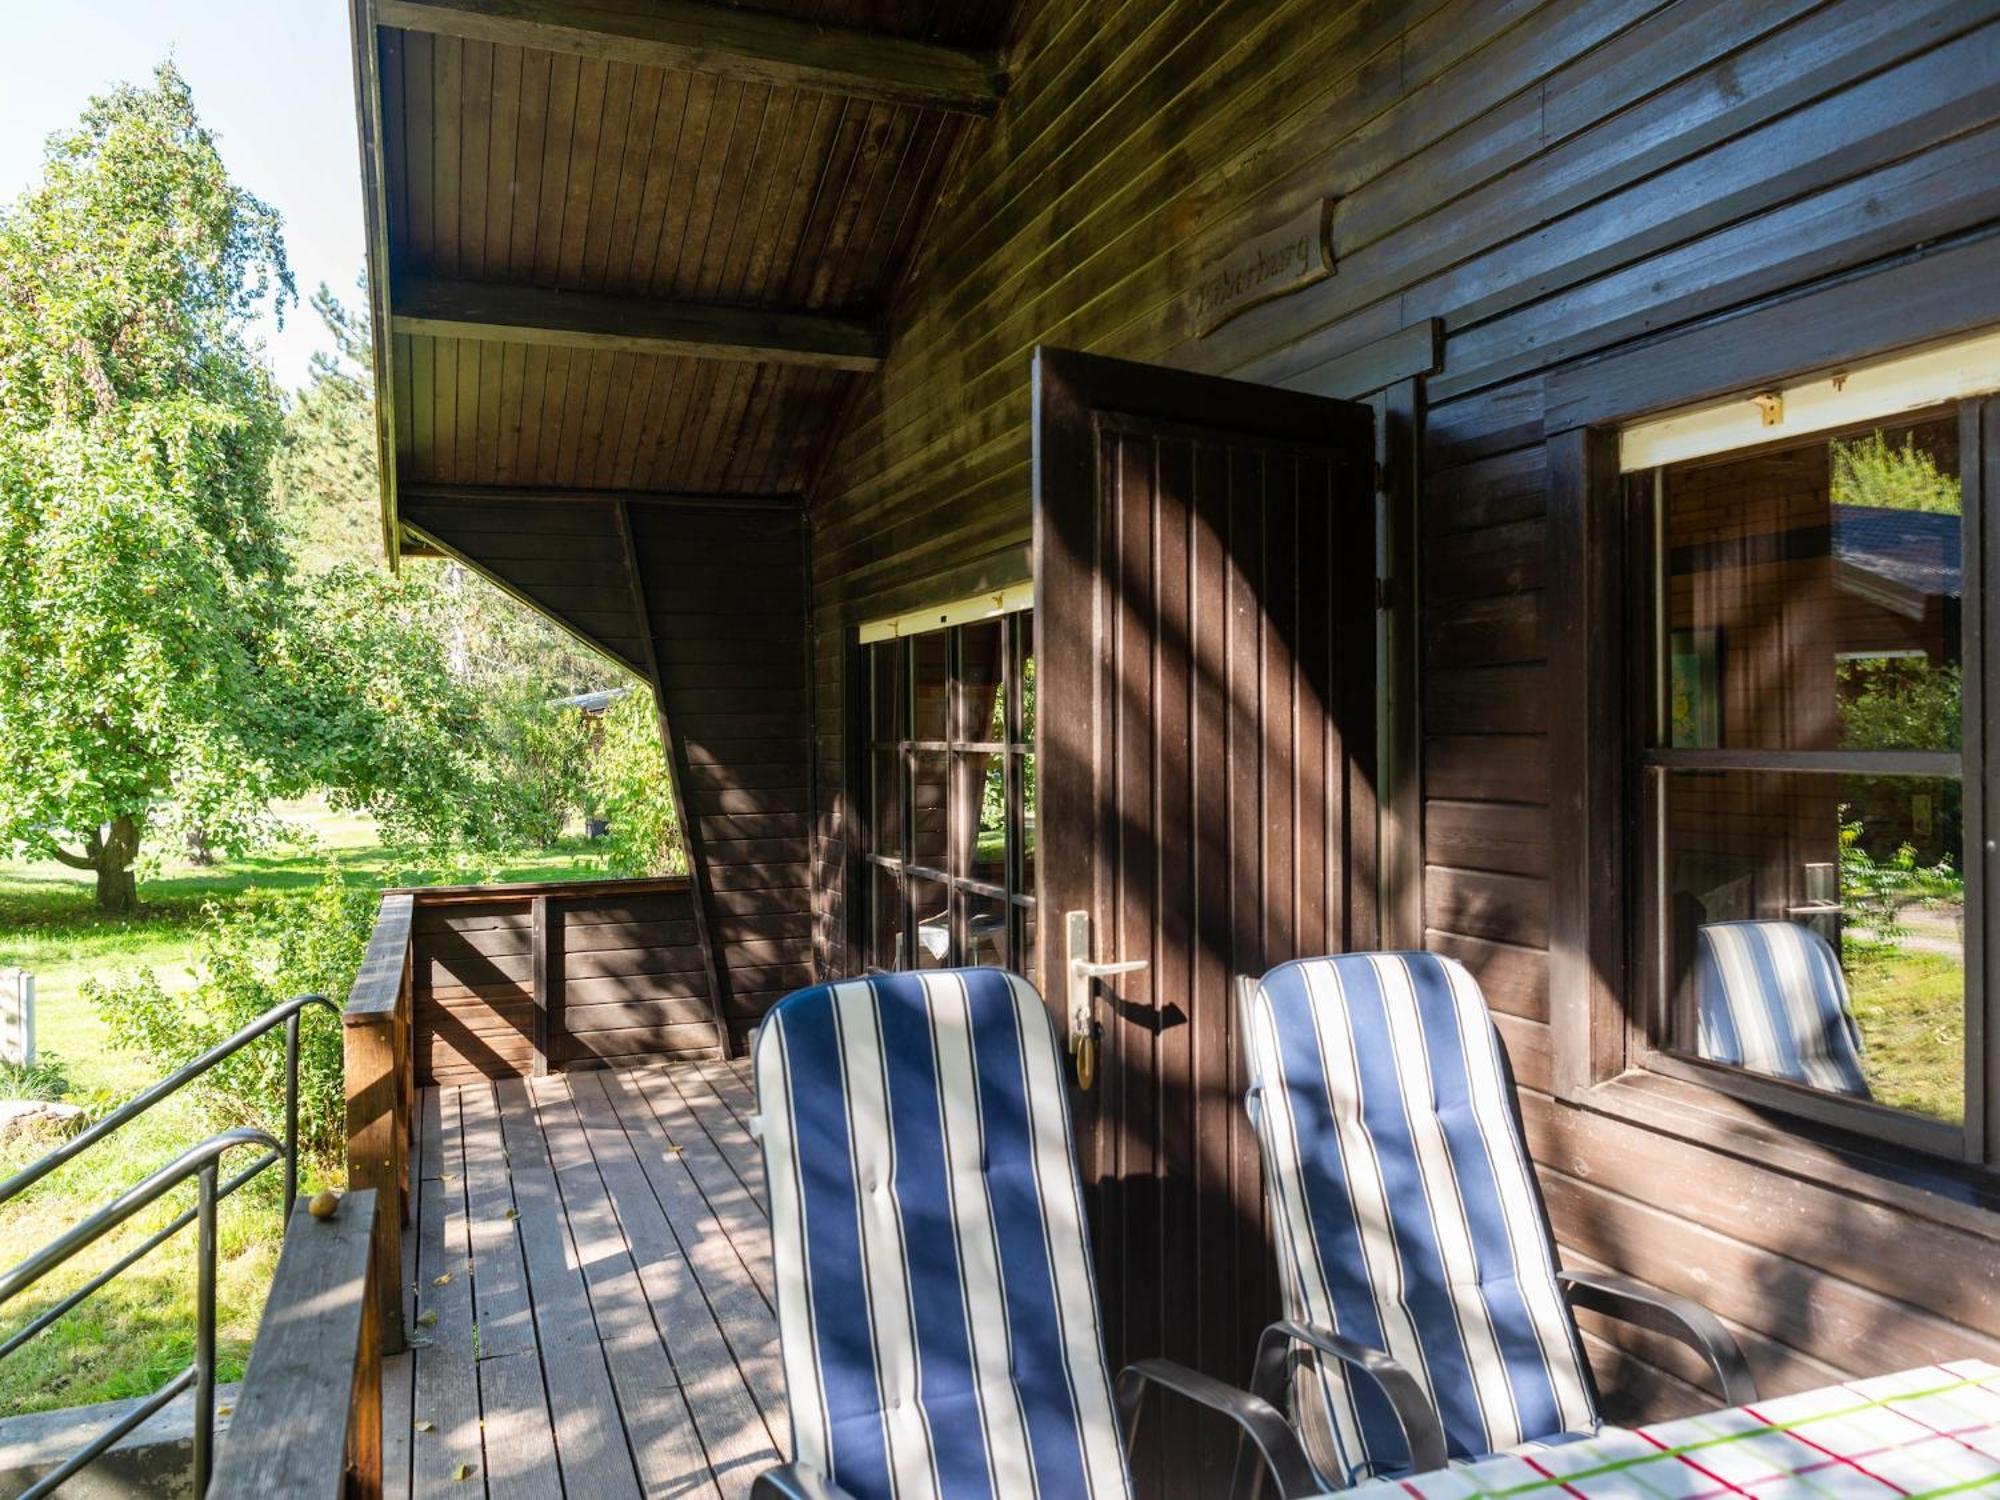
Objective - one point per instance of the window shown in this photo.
(949, 821)
(1803, 763)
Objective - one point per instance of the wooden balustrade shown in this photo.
(517, 980)
(462, 983)
(381, 1089)
(308, 1420)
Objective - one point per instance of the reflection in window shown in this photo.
(951, 793)
(1804, 768)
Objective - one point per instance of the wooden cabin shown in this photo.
(1202, 484)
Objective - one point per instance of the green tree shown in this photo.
(141, 569)
(325, 473)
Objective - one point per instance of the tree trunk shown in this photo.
(112, 854)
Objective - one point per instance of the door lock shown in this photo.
(1082, 971)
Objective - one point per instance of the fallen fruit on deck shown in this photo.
(325, 1204)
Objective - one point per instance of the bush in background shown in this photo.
(627, 786)
(247, 960)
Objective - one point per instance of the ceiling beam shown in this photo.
(427, 493)
(743, 44)
(632, 325)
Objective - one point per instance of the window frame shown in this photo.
(1650, 768)
(1602, 1017)
(961, 827)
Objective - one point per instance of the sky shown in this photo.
(272, 78)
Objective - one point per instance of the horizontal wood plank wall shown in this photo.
(624, 965)
(1552, 179)
(725, 590)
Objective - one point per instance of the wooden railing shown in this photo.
(519, 980)
(313, 1388)
(381, 1096)
(467, 982)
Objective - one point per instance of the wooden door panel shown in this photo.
(1204, 572)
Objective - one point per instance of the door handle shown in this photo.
(1081, 970)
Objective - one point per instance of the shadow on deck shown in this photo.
(589, 1291)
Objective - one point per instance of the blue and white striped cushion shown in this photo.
(1403, 1209)
(1770, 997)
(935, 1300)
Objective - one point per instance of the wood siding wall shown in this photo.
(725, 592)
(1554, 179)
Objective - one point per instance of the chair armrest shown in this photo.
(1259, 1421)
(1423, 1432)
(795, 1482)
(1679, 1318)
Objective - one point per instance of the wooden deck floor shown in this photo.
(590, 1292)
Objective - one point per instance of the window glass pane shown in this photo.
(1815, 926)
(930, 831)
(1026, 834)
(885, 829)
(1812, 595)
(982, 705)
(885, 918)
(985, 929)
(882, 691)
(982, 788)
(931, 906)
(930, 662)
(1024, 673)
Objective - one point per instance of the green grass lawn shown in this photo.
(139, 1331)
(1911, 1005)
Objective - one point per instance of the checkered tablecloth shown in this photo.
(1923, 1433)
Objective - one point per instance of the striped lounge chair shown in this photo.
(936, 1306)
(1425, 1320)
(1770, 997)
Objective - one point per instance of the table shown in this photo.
(1925, 1434)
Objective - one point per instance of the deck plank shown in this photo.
(708, 1091)
(652, 1107)
(446, 1389)
(673, 1234)
(399, 1370)
(500, 1277)
(520, 1457)
(589, 1439)
(616, 1337)
(657, 1390)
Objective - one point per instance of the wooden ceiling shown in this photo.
(644, 246)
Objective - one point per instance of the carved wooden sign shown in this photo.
(1274, 264)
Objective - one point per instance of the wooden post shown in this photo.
(545, 998)
(308, 1421)
(376, 1029)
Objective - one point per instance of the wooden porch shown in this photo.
(588, 1291)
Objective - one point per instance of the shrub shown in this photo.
(45, 1079)
(248, 960)
(1874, 892)
(628, 788)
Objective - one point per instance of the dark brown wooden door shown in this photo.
(1205, 735)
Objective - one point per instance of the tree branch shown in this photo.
(74, 861)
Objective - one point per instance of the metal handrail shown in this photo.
(174, 1082)
(201, 1162)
